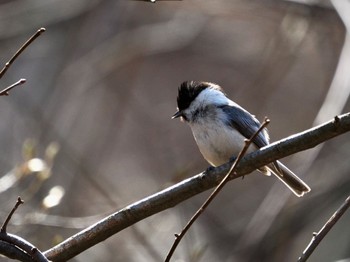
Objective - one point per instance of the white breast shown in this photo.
(217, 143)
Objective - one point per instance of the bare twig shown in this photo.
(18, 244)
(5, 92)
(24, 245)
(224, 181)
(318, 236)
(19, 51)
(190, 187)
(4, 225)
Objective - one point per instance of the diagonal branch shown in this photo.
(23, 245)
(20, 50)
(4, 225)
(5, 92)
(186, 189)
(11, 251)
(318, 236)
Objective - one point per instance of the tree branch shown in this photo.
(4, 225)
(318, 236)
(5, 92)
(186, 189)
(13, 252)
(24, 245)
(19, 51)
(19, 246)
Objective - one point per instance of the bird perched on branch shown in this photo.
(220, 127)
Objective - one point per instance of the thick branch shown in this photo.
(24, 245)
(186, 189)
(14, 252)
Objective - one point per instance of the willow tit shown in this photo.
(220, 126)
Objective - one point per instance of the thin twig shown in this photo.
(4, 225)
(5, 92)
(19, 51)
(318, 236)
(247, 143)
(19, 242)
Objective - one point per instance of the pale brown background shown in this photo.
(102, 83)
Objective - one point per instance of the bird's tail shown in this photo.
(291, 180)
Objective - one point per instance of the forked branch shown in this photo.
(17, 247)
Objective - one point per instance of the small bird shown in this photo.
(220, 127)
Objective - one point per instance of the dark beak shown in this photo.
(177, 114)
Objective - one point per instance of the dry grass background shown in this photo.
(102, 83)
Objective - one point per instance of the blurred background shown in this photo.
(90, 132)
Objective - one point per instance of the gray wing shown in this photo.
(246, 124)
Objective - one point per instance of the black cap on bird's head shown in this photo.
(188, 91)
